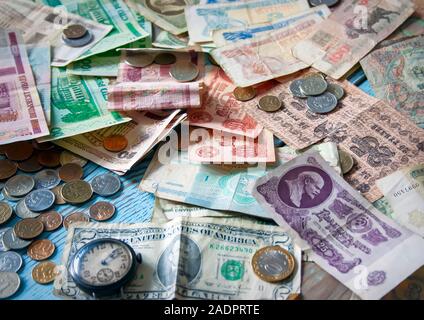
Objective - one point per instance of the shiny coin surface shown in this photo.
(69, 157)
(28, 229)
(41, 249)
(77, 191)
(58, 195)
(165, 58)
(49, 158)
(70, 171)
(13, 242)
(5, 212)
(323, 103)
(115, 143)
(9, 284)
(23, 212)
(313, 85)
(346, 161)
(80, 42)
(47, 179)
(106, 184)
(184, 71)
(336, 89)
(295, 88)
(39, 200)
(73, 218)
(51, 220)
(138, 59)
(10, 261)
(74, 31)
(269, 103)
(3, 247)
(19, 185)
(102, 211)
(329, 3)
(44, 272)
(30, 165)
(273, 263)
(7, 169)
(244, 94)
(19, 151)
(7, 196)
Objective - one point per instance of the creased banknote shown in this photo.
(21, 113)
(101, 65)
(226, 36)
(350, 32)
(186, 259)
(349, 238)
(202, 20)
(396, 74)
(40, 23)
(404, 190)
(413, 26)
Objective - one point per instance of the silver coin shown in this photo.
(39, 200)
(323, 103)
(74, 31)
(165, 58)
(2, 245)
(335, 89)
(12, 242)
(329, 3)
(313, 85)
(184, 71)
(295, 88)
(9, 284)
(47, 179)
(106, 184)
(138, 59)
(8, 197)
(80, 42)
(346, 161)
(10, 261)
(19, 185)
(23, 212)
(269, 103)
(5, 212)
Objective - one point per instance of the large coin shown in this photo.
(75, 217)
(7, 169)
(102, 211)
(165, 58)
(3, 247)
(295, 88)
(39, 200)
(269, 103)
(30, 165)
(77, 191)
(244, 94)
(138, 59)
(47, 179)
(106, 184)
(44, 272)
(19, 185)
(74, 31)
(323, 103)
(51, 220)
(7, 196)
(19, 151)
(49, 158)
(80, 42)
(41, 249)
(28, 229)
(23, 212)
(70, 171)
(313, 85)
(10, 261)
(184, 71)
(58, 195)
(13, 242)
(273, 263)
(346, 161)
(69, 157)
(329, 3)
(9, 284)
(5, 212)
(115, 143)
(335, 89)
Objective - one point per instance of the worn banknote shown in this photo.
(40, 23)
(21, 113)
(222, 37)
(203, 19)
(186, 259)
(165, 39)
(352, 31)
(413, 26)
(396, 74)
(349, 238)
(101, 65)
(404, 190)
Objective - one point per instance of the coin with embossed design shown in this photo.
(58, 195)
(269, 103)
(70, 171)
(102, 211)
(75, 217)
(138, 59)
(244, 94)
(106, 184)
(19, 185)
(19, 151)
(44, 272)
(115, 143)
(76, 191)
(5, 212)
(28, 229)
(184, 71)
(74, 31)
(7, 169)
(9, 284)
(23, 212)
(273, 263)
(30, 165)
(51, 220)
(49, 158)
(39, 200)
(12, 241)
(41, 249)
(10, 261)
(323, 103)
(46, 179)
(346, 161)
(313, 85)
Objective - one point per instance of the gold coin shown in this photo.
(77, 191)
(28, 229)
(44, 272)
(5, 212)
(70, 172)
(346, 161)
(244, 94)
(273, 263)
(41, 249)
(58, 195)
(75, 217)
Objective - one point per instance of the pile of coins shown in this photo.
(76, 35)
(322, 97)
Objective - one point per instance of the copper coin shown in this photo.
(75, 217)
(44, 272)
(19, 151)
(70, 171)
(51, 220)
(28, 229)
(30, 165)
(41, 249)
(42, 146)
(76, 191)
(49, 159)
(102, 211)
(58, 195)
(244, 94)
(7, 169)
(115, 143)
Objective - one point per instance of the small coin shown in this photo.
(42, 145)
(184, 71)
(23, 212)
(44, 272)
(5, 212)
(19, 185)
(165, 58)
(41, 249)
(39, 200)
(80, 42)
(329, 3)
(49, 158)
(313, 85)
(7, 196)
(75, 217)
(58, 195)
(102, 211)
(115, 143)
(76, 191)
(106, 184)
(69, 157)
(9, 284)
(10, 261)
(28, 229)
(138, 59)
(244, 94)
(74, 31)
(346, 161)
(51, 220)
(295, 88)
(273, 263)
(30, 165)
(323, 103)
(19, 151)
(70, 171)
(11, 241)
(7, 169)
(336, 89)
(47, 179)
(269, 103)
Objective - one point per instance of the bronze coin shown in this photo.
(76, 191)
(102, 211)
(244, 94)
(115, 143)
(30, 165)
(70, 171)
(19, 151)
(42, 146)
(6, 212)
(7, 169)
(75, 217)
(58, 195)
(28, 229)
(44, 272)
(49, 159)
(41, 249)
(51, 220)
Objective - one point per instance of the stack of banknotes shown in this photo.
(256, 136)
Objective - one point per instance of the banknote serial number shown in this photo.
(214, 309)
